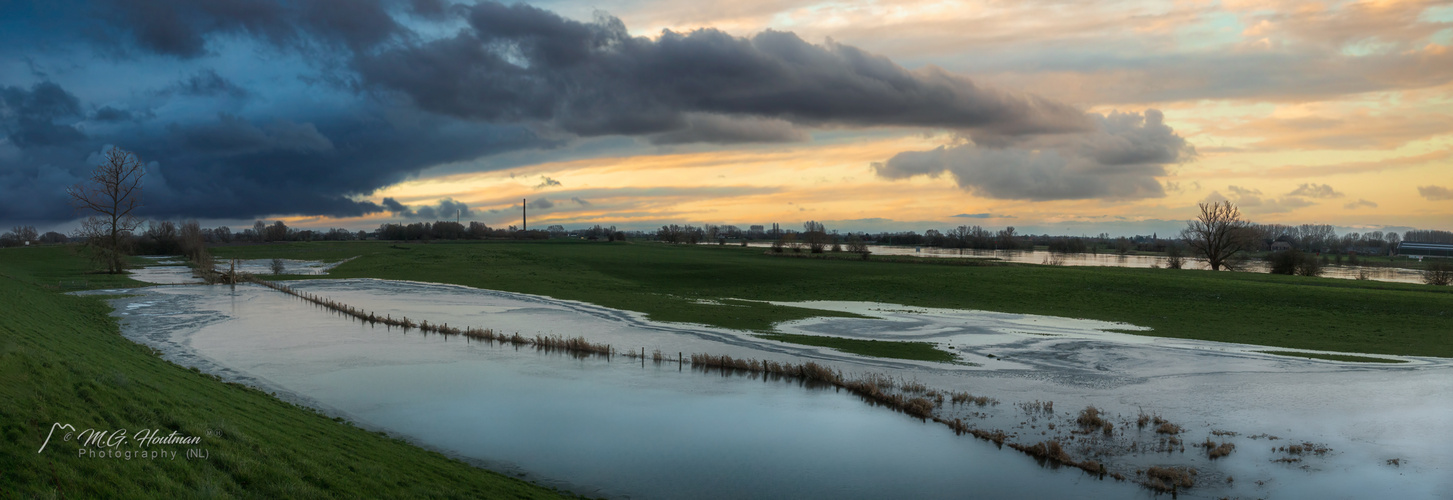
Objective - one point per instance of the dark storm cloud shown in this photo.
(29, 116)
(181, 28)
(721, 129)
(1121, 158)
(347, 100)
(110, 114)
(520, 63)
(235, 167)
(207, 83)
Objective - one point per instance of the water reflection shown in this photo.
(1390, 274)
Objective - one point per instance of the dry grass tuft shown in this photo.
(1168, 428)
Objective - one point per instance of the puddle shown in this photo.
(634, 428)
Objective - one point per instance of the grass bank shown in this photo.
(680, 283)
(62, 360)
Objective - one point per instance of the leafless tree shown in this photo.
(112, 196)
(26, 234)
(1219, 235)
(816, 236)
(278, 266)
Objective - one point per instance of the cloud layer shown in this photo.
(1121, 157)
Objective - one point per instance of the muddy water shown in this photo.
(641, 429)
(1390, 274)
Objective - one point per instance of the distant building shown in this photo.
(757, 232)
(1415, 249)
(1280, 246)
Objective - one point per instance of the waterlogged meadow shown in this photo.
(1030, 405)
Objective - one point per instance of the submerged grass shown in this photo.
(681, 283)
(1334, 357)
(62, 360)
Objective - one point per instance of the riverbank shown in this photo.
(62, 361)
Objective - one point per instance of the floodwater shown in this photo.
(1391, 274)
(636, 428)
(171, 270)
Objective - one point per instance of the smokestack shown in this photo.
(525, 211)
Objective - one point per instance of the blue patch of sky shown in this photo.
(1214, 31)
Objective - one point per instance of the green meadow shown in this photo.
(63, 360)
(687, 283)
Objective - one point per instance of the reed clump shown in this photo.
(960, 398)
(1216, 450)
(1051, 451)
(1090, 418)
(1169, 479)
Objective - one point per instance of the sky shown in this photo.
(1052, 116)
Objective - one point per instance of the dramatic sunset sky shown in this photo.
(1052, 116)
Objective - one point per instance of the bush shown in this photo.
(1294, 262)
(1438, 274)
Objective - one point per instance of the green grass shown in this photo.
(63, 360)
(666, 282)
(1333, 357)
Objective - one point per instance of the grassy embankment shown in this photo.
(674, 283)
(62, 360)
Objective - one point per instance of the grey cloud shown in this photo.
(446, 208)
(1360, 203)
(394, 206)
(1251, 200)
(983, 216)
(542, 203)
(545, 182)
(722, 129)
(1435, 193)
(1121, 158)
(579, 201)
(520, 63)
(1316, 191)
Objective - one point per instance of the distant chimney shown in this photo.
(525, 211)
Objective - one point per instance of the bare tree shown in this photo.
(1218, 235)
(815, 235)
(26, 234)
(278, 266)
(113, 194)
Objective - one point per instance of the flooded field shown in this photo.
(626, 427)
(1391, 274)
(172, 270)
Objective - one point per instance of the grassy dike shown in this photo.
(677, 283)
(63, 360)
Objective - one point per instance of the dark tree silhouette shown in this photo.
(1218, 235)
(112, 196)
